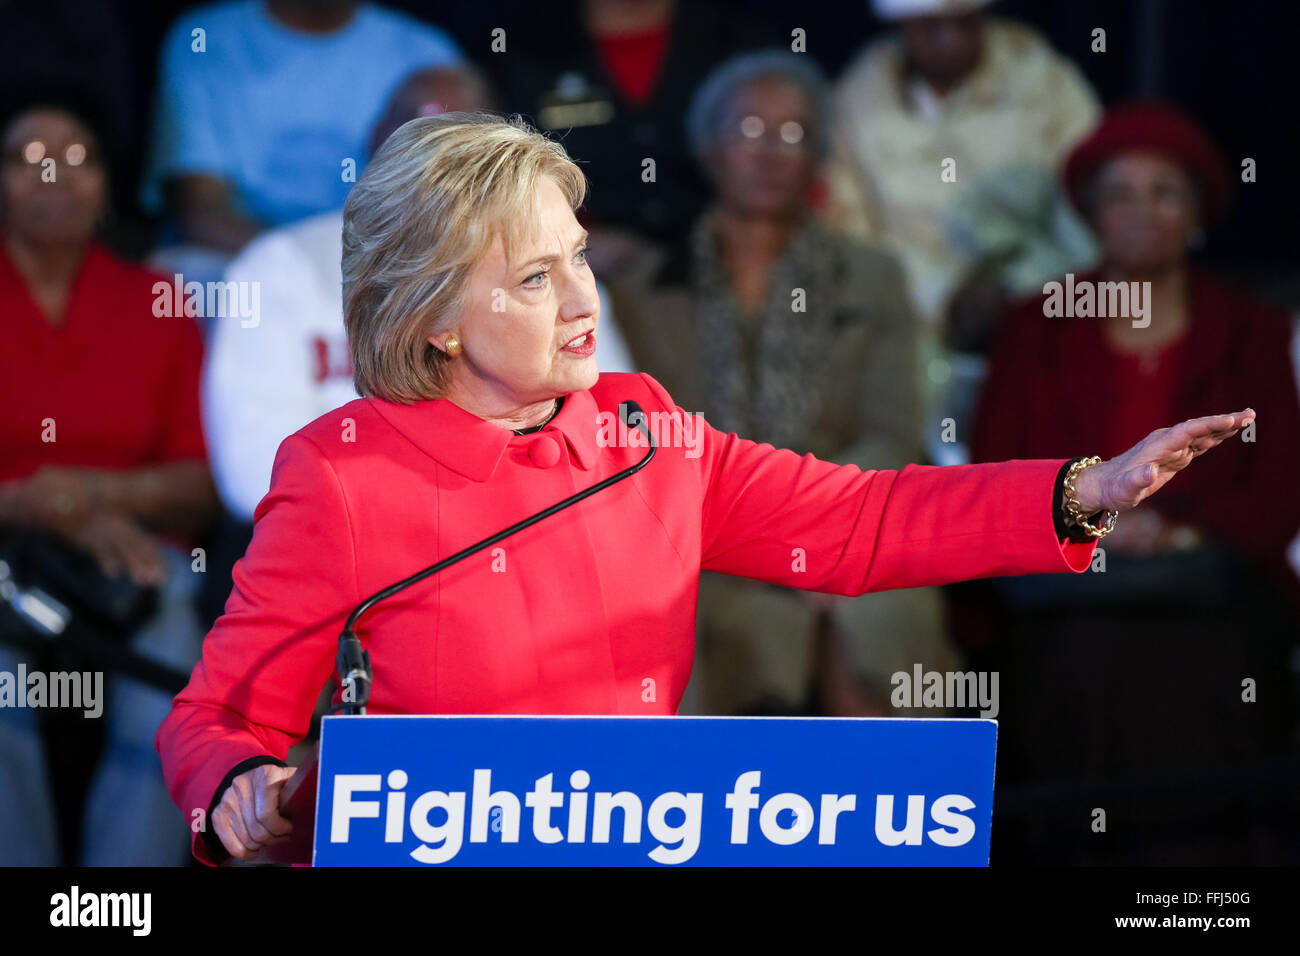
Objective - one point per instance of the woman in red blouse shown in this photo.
(1153, 665)
(471, 315)
(101, 448)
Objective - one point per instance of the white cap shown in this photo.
(903, 9)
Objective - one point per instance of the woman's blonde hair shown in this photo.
(428, 206)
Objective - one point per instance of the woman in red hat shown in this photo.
(1150, 181)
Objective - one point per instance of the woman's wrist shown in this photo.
(135, 493)
(109, 490)
(1088, 489)
(1080, 518)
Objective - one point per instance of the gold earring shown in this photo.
(452, 345)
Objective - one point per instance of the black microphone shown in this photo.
(353, 662)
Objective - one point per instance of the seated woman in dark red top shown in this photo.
(1149, 181)
(1149, 657)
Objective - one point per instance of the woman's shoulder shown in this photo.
(338, 430)
(108, 269)
(1218, 299)
(860, 263)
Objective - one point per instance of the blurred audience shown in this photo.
(613, 78)
(949, 133)
(785, 332)
(1191, 589)
(264, 111)
(101, 449)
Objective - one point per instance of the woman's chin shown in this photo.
(585, 377)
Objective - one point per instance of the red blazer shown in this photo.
(592, 610)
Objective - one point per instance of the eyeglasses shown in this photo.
(752, 131)
(35, 153)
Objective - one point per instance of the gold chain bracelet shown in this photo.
(1070, 504)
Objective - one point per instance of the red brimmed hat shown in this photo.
(1159, 128)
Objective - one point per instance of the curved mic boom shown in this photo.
(353, 661)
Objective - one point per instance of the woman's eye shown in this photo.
(582, 253)
(530, 282)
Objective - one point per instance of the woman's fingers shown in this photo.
(1140, 478)
(1217, 427)
(230, 829)
(1138, 483)
(248, 817)
(259, 834)
(120, 547)
(266, 807)
(1176, 446)
(1126, 480)
(238, 799)
(104, 549)
(143, 557)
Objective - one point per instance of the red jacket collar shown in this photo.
(472, 447)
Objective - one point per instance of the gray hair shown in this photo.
(713, 96)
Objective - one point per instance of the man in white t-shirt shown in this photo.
(949, 132)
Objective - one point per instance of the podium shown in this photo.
(643, 791)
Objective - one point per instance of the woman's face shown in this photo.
(46, 202)
(522, 317)
(763, 158)
(1145, 212)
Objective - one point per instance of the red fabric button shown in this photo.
(544, 451)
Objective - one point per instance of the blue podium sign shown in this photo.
(653, 791)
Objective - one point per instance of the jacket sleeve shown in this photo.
(797, 521)
(265, 661)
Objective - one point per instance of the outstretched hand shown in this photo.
(1126, 480)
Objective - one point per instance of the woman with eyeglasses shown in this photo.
(101, 451)
(780, 330)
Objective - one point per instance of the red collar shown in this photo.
(472, 447)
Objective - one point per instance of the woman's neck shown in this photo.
(502, 414)
(748, 246)
(312, 18)
(1167, 303)
(754, 236)
(49, 269)
(615, 17)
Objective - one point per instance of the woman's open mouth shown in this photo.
(584, 344)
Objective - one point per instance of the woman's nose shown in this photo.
(580, 299)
